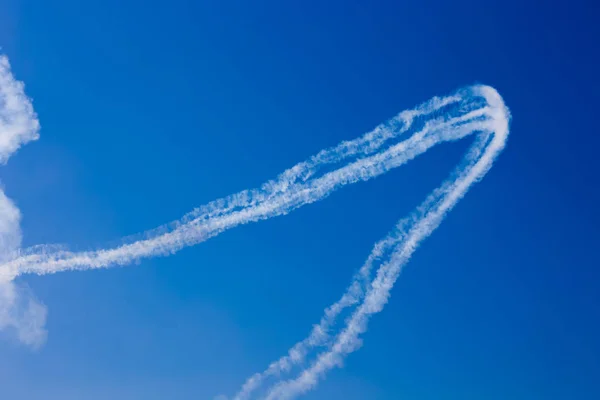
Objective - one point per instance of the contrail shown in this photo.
(294, 188)
(408, 235)
(477, 110)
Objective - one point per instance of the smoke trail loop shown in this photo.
(476, 111)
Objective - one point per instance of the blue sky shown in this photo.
(149, 109)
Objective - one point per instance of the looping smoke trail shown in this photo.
(366, 295)
(477, 110)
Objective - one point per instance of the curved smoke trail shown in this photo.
(477, 110)
(368, 295)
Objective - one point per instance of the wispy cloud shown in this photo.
(18, 121)
(22, 314)
(19, 311)
(18, 125)
(476, 110)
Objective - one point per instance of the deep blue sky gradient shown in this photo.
(151, 108)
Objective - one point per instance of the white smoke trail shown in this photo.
(275, 198)
(425, 220)
(477, 109)
(496, 116)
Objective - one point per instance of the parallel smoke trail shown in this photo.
(293, 189)
(476, 110)
(368, 295)
(405, 240)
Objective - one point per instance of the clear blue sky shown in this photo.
(151, 108)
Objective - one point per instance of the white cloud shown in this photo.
(22, 314)
(18, 121)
